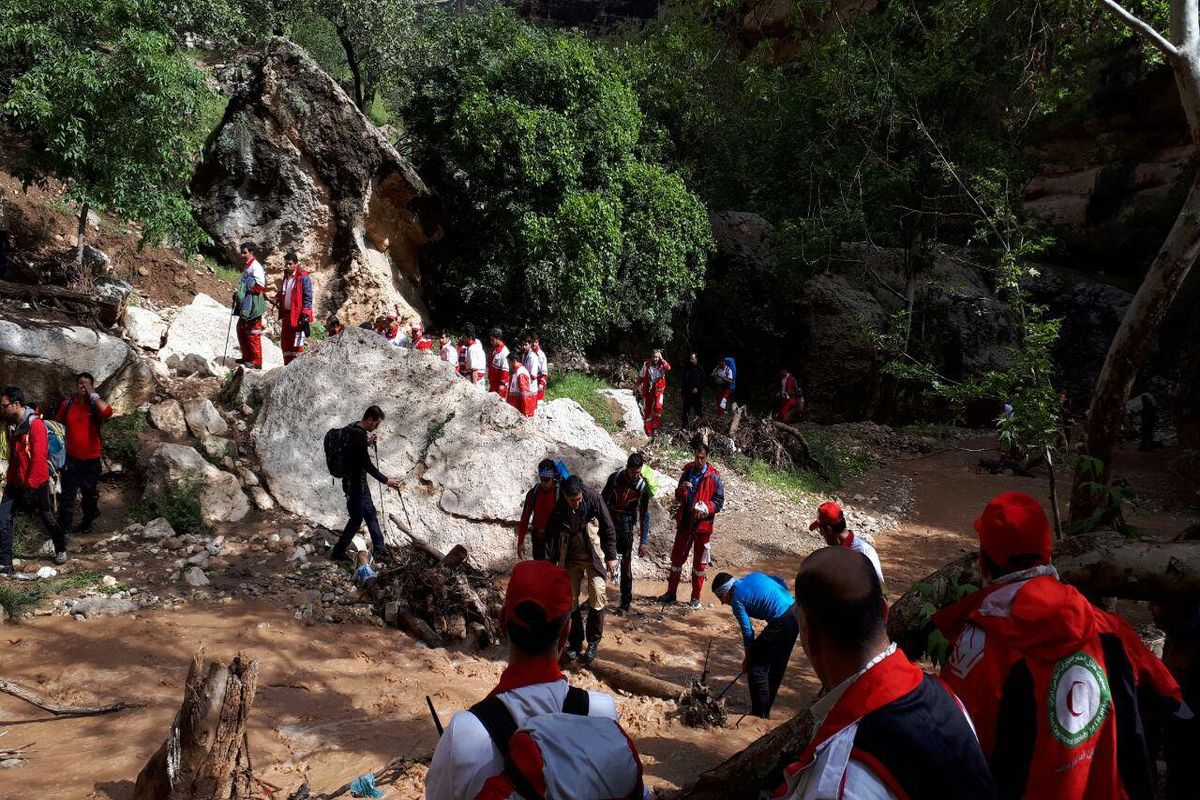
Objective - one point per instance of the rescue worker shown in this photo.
(28, 483)
(884, 729)
(831, 524)
(537, 602)
(520, 392)
(249, 305)
(392, 331)
(294, 300)
(581, 538)
(725, 378)
(333, 326)
(765, 657)
(791, 401)
(359, 503)
(543, 376)
(628, 497)
(693, 388)
(701, 496)
(652, 383)
(532, 360)
(449, 351)
(82, 414)
(535, 511)
(497, 368)
(420, 341)
(474, 362)
(1058, 688)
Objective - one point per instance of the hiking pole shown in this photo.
(704, 672)
(228, 330)
(725, 691)
(437, 723)
(382, 506)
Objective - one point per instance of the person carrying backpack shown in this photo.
(628, 494)
(249, 305)
(82, 413)
(29, 486)
(348, 458)
(536, 509)
(534, 735)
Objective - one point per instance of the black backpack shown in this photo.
(336, 442)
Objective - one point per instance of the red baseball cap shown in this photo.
(1014, 524)
(827, 514)
(538, 582)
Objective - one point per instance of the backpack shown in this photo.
(56, 435)
(648, 477)
(335, 442)
(563, 472)
(574, 756)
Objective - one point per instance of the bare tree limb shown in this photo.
(20, 692)
(1142, 28)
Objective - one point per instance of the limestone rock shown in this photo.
(104, 607)
(202, 329)
(111, 293)
(145, 328)
(262, 500)
(168, 417)
(217, 447)
(625, 403)
(195, 577)
(222, 499)
(296, 166)
(203, 419)
(158, 529)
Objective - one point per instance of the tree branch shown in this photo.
(7, 687)
(1141, 28)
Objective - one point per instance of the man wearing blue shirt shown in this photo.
(759, 596)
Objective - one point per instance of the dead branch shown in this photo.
(20, 692)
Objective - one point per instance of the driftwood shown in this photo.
(800, 452)
(20, 692)
(758, 768)
(48, 296)
(206, 755)
(628, 680)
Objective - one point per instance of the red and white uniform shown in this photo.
(420, 340)
(789, 397)
(497, 370)
(450, 355)
(701, 496)
(543, 371)
(533, 365)
(465, 757)
(294, 301)
(475, 361)
(652, 382)
(249, 331)
(1031, 642)
(521, 394)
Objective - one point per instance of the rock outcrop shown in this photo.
(145, 328)
(202, 330)
(296, 166)
(221, 500)
(467, 456)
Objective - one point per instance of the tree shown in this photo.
(109, 104)
(374, 35)
(1163, 279)
(528, 138)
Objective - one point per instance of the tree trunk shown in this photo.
(1055, 513)
(355, 68)
(206, 755)
(81, 235)
(758, 768)
(628, 680)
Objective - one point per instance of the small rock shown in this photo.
(274, 537)
(199, 560)
(216, 446)
(158, 529)
(173, 544)
(247, 477)
(90, 607)
(196, 577)
(47, 572)
(168, 417)
(858, 498)
(262, 500)
(108, 580)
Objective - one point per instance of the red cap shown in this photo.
(1014, 524)
(827, 514)
(538, 582)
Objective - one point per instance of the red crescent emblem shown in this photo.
(1071, 699)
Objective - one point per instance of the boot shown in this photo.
(595, 631)
(575, 642)
(697, 585)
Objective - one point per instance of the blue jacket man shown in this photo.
(765, 597)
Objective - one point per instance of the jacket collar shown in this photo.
(527, 673)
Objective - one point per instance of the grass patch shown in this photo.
(841, 457)
(178, 503)
(27, 536)
(228, 274)
(793, 484)
(121, 436)
(317, 332)
(19, 598)
(934, 430)
(585, 390)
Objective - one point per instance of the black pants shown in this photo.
(539, 548)
(80, 476)
(594, 629)
(769, 655)
(362, 509)
(17, 499)
(624, 523)
(691, 406)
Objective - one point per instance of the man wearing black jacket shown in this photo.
(693, 386)
(580, 537)
(627, 496)
(360, 436)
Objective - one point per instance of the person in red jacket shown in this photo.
(791, 401)
(420, 341)
(701, 496)
(28, 486)
(652, 383)
(522, 392)
(1059, 690)
(497, 369)
(535, 511)
(82, 414)
(294, 300)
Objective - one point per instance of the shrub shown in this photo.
(178, 502)
(121, 436)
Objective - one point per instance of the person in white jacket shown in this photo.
(475, 360)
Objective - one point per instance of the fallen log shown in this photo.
(806, 458)
(20, 692)
(758, 768)
(628, 680)
(206, 755)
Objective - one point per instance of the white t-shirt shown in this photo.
(863, 546)
(288, 285)
(532, 364)
(465, 756)
(450, 353)
(476, 359)
(255, 269)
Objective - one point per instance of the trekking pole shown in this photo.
(382, 507)
(437, 723)
(228, 330)
(704, 672)
(725, 691)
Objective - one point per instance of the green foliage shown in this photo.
(317, 332)
(937, 647)
(529, 139)
(585, 390)
(794, 484)
(1112, 499)
(178, 503)
(19, 598)
(121, 436)
(111, 104)
(27, 536)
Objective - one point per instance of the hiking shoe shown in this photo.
(82, 529)
(6, 570)
(696, 604)
(622, 609)
(667, 598)
(572, 654)
(60, 558)
(590, 654)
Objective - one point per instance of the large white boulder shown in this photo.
(144, 328)
(222, 499)
(468, 457)
(203, 328)
(629, 413)
(203, 419)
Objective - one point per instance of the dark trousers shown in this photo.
(594, 630)
(624, 523)
(80, 476)
(691, 407)
(37, 501)
(769, 655)
(362, 509)
(539, 548)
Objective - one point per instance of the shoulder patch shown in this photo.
(968, 651)
(1079, 699)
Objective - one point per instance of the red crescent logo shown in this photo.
(1071, 699)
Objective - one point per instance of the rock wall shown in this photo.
(296, 166)
(467, 456)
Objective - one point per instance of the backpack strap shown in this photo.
(498, 721)
(577, 702)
